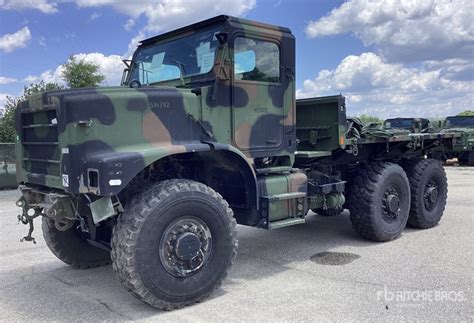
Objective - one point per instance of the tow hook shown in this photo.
(27, 217)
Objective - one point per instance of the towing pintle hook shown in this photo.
(27, 217)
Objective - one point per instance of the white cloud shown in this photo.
(403, 30)
(110, 66)
(164, 15)
(134, 43)
(48, 76)
(95, 15)
(42, 41)
(129, 24)
(3, 99)
(371, 85)
(7, 80)
(19, 39)
(44, 6)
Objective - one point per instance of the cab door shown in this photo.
(257, 95)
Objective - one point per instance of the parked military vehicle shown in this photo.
(411, 124)
(205, 133)
(7, 166)
(463, 145)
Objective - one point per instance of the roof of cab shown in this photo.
(212, 21)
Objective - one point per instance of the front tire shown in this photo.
(71, 247)
(379, 201)
(174, 243)
(429, 190)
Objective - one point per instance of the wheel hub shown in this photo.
(185, 246)
(431, 195)
(393, 203)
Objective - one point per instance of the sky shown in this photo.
(389, 58)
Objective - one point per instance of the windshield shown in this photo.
(179, 58)
(399, 123)
(453, 122)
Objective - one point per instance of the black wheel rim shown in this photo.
(391, 204)
(431, 195)
(185, 246)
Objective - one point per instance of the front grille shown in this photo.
(40, 141)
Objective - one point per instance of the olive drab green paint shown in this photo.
(7, 166)
(463, 145)
(247, 133)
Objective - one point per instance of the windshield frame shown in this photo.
(181, 79)
(450, 124)
(400, 123)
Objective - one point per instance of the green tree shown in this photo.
(365, 118)
(7, 123)
(466, 113)
(79, 73)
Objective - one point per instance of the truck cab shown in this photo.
(243, 72)
(411, 124)
(463, 144)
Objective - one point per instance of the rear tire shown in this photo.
(71, 247)
(174, 243)
(429, 189)
(379, 201)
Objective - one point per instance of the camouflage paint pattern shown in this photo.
(97, 140)
(280, 198)
(118, 131)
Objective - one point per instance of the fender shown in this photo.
(106, 172)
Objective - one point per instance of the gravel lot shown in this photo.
(278, 275)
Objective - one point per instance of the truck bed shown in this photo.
(324, 130)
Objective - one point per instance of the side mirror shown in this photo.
(127, 63)
(124, 76)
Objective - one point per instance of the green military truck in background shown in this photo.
(204, 133)
(411, 124)
(7, 166)
(463, 144)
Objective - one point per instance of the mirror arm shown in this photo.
(221, 70)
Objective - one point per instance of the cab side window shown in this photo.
(256, 60)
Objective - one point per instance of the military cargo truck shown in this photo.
(7, 166)
(463, 144)
(411, 124)
(205, 133)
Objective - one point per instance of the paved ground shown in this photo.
(424, 275)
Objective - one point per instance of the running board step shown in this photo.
(285, 223)
(282, 210)
(284, 196)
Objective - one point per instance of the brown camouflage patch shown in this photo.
(154, 130)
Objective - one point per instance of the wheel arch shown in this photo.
(220, 166)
